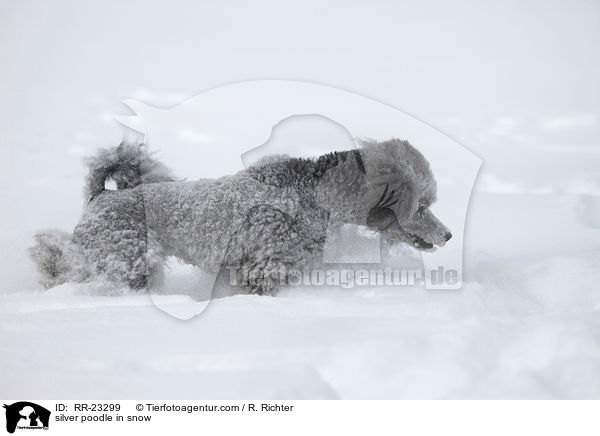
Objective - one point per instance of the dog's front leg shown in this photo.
(264, 249)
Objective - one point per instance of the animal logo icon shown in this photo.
(26, 415)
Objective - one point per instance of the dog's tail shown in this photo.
(128, 165)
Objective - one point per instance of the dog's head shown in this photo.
(401, 190)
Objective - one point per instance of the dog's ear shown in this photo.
(407, 200)
(391, 193)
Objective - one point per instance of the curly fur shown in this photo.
(271, 217)
(128, 165)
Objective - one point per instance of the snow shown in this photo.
(517, 330)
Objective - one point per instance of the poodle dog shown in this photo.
(268, 218)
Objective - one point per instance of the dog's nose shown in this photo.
(448, 236)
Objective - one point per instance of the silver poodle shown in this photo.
(272, 217)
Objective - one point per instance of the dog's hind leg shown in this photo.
(58, 258)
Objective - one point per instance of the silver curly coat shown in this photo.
(271, 217)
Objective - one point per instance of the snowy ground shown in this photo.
(480, 342)
(518, 329)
